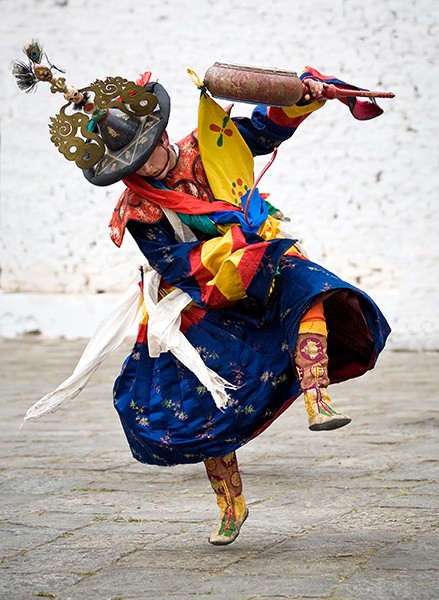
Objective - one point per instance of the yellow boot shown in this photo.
(321, 415)
(232, 516)
(225, 479)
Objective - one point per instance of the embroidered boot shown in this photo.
(224, 477)
(312, 366)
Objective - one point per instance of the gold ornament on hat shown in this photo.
(69, 134)
(73, 134)
(127, 96)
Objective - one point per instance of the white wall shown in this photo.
(362, 196)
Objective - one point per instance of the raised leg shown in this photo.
(311, 360)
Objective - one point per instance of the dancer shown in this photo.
(236, 321)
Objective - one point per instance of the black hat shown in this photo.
(129, 140)
(109, 128)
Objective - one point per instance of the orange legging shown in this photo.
(313, 321)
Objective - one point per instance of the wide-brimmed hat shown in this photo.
(109, 128)
(129, 140)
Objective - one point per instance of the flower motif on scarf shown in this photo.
(222, 130)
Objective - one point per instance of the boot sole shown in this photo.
(329, 425)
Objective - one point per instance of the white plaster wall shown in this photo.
(362, 196)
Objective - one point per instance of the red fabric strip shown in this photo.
(178, 201)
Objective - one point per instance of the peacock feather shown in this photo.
(34, 52)
(24, 76)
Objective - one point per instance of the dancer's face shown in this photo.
(161, 161)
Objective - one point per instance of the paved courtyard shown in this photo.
(351, 514)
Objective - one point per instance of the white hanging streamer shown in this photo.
(182, 232)
(106, 339)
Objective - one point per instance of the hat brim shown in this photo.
(115, 165)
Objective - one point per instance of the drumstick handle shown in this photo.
(331, 91)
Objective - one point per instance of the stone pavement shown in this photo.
(343, 515)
